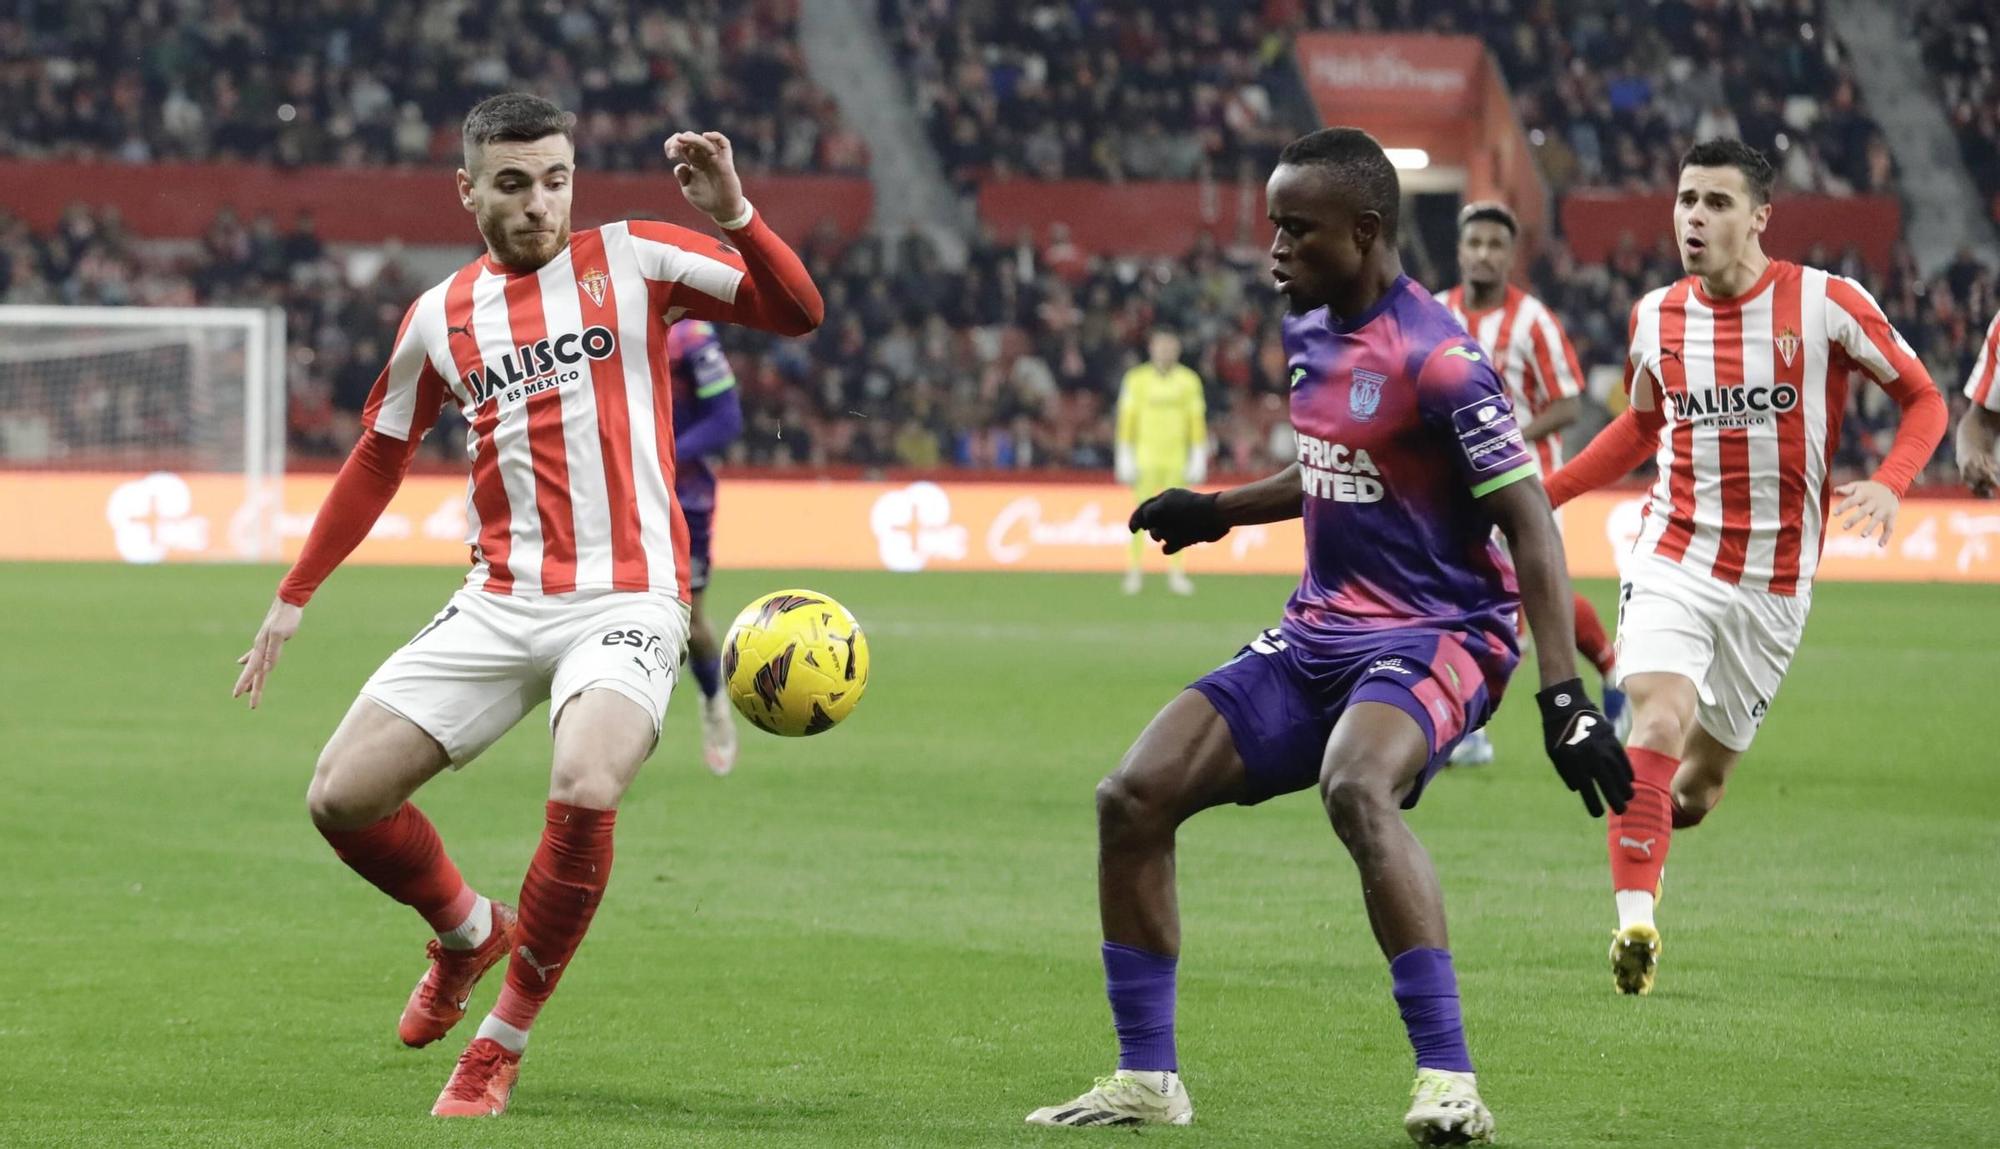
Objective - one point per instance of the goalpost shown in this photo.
(152, 391)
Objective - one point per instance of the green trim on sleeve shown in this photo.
(716, 388)
(1524, 471)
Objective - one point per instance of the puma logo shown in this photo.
(1462, 353)
(1585, 723)
(1645, 847)
(528, 955)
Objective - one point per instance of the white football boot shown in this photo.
(1445, 1109)
(718, 734)
(1475, 749)
(1127, 1097)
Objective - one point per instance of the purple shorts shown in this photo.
(701, 528)
(1281, 701)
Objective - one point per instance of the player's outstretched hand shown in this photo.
(1870, 505)
(1180, 518)
(1585, 749)
(281, 622)
(705, 166)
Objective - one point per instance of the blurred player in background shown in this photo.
(1738, 376)
(1980, 425)
(551, 344)
(1534, 358)
(1162, 438)
(708, 416)
(1400, 637)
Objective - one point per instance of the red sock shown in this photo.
(1639, 837)
(558, 898)
(402, 856)
(1591, 640)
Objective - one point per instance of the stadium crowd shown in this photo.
(1961, 40)
(373, 82)
(1010, 363)
(1609, 95)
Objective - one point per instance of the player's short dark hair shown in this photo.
(515, 117)
(1358, 164)
(1723, 152)
(1488, 211)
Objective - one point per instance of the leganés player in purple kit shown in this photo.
(1400, 637)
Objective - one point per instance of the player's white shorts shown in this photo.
(1735, 644)
(488, 659)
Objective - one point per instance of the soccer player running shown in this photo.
(1162, 439)
(551, 344)
(1979, 427)
(1400, 637)
(1534, 358)
(708, 416)
(1738, 377)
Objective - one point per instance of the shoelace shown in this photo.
(442, 960)
(476, 1067)
(1433, 1090)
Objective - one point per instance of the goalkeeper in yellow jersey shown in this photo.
(1162, 438)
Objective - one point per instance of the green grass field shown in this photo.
(887, 936)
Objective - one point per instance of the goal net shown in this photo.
(145, 391)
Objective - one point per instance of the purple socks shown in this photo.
(707, 674)
(1141, 988)
(1427, 993)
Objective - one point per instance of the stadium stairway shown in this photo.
(1945, 212)
(846, 55)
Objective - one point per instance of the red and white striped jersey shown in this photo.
(561, 374)
(1752, 389)
(1981, 387)
(1530, 351)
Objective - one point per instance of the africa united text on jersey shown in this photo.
(562, 375)
(1402, 426)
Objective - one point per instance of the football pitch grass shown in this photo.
(887, 935)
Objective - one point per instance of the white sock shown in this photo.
(471, 933)
(1635, 907)
(516, 1040)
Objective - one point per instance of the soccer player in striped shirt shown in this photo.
(552, 344)
(1738, 376)
(1980, 426)
(708, 416)
(1535, 360)
(1400, 637)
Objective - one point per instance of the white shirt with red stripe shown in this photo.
(562, 375)
(1753, 389)
(1530, 351)
(1982, 387)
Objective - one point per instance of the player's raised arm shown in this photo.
(403, 405)
(1858, 327)
(776, 293)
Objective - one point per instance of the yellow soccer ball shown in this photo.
(795, 662)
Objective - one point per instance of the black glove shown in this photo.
(1584, 747)
(1179, 518)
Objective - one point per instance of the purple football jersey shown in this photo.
(1402, 426)
(699, 370)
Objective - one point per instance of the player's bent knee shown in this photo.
(1356, 798)
(332, 806)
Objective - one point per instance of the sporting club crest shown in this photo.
(1364, 394)
(593, 282)
(1787, 344)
